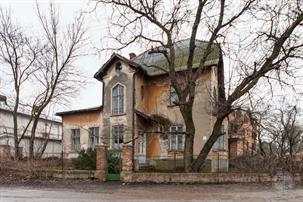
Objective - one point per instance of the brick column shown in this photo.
(127, 158)
(5, 153)
(101, 162)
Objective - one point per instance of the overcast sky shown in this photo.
(25, 13)
(96, 22)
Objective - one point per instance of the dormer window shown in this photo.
(118, 100)
(118, 67)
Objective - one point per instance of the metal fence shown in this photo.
(174, 162)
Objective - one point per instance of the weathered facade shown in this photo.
(81, 129)
(47, 130)
(137, 96)
(241, 137)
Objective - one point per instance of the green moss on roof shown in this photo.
(149, 61)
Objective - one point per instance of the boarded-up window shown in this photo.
(117, 132)
(118, 100)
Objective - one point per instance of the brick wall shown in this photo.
(127, 156)
(101, 162)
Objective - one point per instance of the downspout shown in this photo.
(133, 119)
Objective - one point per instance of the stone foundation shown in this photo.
(202, 178)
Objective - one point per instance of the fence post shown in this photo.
(62, 160)
(101, 162)
(127, 162)
(175, 161)
(218, 169)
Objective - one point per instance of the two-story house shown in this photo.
(137, 95)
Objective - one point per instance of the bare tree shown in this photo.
(277, 37)
(56, 74)
(18, 52)
(282, 128)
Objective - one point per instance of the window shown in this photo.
(142, 142)
(118, 67)
(173, 97)
(118, 100)
(117, 132)
(94, 136)
(177, 138)
(219, 144)
(142, 92)
(76, 139)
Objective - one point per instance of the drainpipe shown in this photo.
(133, 119)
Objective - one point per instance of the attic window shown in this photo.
(118, 67)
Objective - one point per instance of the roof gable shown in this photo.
(113, 58)
(150, 63)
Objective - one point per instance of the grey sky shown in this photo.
(25, 13)
(96, 22)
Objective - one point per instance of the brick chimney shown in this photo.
(132, 56)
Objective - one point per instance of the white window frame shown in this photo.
(93, 137)
(75, 133)
(174, 138)
(120, 110)
(120, 135)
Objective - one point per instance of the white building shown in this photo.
(46, 127)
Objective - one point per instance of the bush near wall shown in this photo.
(86, 160)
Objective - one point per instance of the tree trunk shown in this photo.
(189, 138)
(216, 133)
(32, 138)
(15, 120)
(41, 152)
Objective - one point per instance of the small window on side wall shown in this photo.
(94, 136)
(173, 97)
(142, 92)
(177, 138)
(118, 67)
(75, 140)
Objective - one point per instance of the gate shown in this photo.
(113, 164)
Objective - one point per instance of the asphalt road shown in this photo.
(148, 192)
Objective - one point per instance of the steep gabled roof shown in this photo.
(152, 62)
(102, 71)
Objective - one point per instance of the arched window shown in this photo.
(118, 100)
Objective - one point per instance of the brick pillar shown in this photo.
(127, 158)
(101, 162)
(5, 153)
